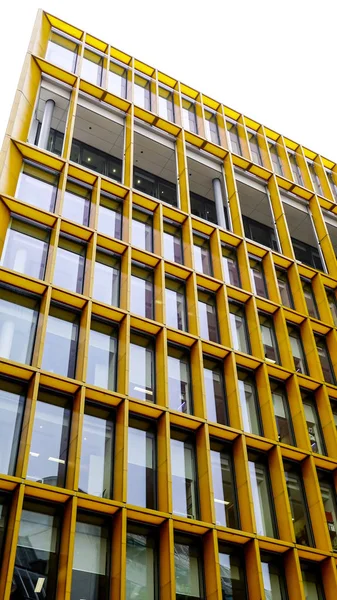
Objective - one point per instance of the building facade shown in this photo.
(168, 340)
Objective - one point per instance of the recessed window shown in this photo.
(202, 255)
(4, 506)
(179, 379)
(275, 157)
(96, 467)
(224, 491)
(36, 561)
(284, 288)
(325, 360)
(76, 203)
(175, 303)
(258, 278)
(184, 475)
(234, 137)
(142, 300)
(92, 67)
(332, 180)
(26, 248)
(312, 581)
(173, 247)
(332, 305)
(142, 368)
(142, 92)
(38, 186)
(296, 171)
(269, 338)
(232, 573)
(249, 403)
(298, 504)
(141, 235)
(110, 216)
(230, 266)
(315, 177)
(313, 423)
(282, 413)
(50, 439)
(215, 391)
(188, 568)
(328, 492)
(18, 321)
(262, 495)
(142, 463)
(62, 51)
(189, 115)
(60, 346)
(117, 79)
(69, 264)
(102, 355)
(273, 577)
(297, 349)
(208, 321)
(239, 329)
(310, 298)
(211, 127)
(141, 562)
(12, 403)
(166, 103)
(106, 277)
(91, 566)
(253, 139)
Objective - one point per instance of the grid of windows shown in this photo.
(167, 385)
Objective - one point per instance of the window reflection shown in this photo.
(165, 103)
(230, 266)
(4, 506)
(297, 349)
(141, 563)
(142, 365)
(12, 402)
(269, 338)
(96, 468)
(324, 358)
(179, 384)
(141, 235)
(62, 51)
(309, 298)
(232, 573)
(102, 355)
(328, 493)
(239, 331)
(60, 346)
(284, 288)
(215, 392)
(92, 67)
(258, 279)
(208, 321)
(141, 300)
(26, 248)
(175, 303)
(188, 568)
(313, 423)
(312, 581)
(262, 496)
(173, 249)
(298, 505)
(189, 115)
(110, 216)
(184, 479)
(282, 413)
(76, 202)
(18, 321)
(117, 79)
(106, 277)
(38, 186)
(211, 127)
(141, 463)
(234, 136)
(142, 92)
(202, 256)
(69, 264)
(50, 439)
(249, 403)
(223, 486)
(273, 577)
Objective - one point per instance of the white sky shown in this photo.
(273, 61)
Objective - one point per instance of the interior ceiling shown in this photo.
(254, 204)
(99, 132)
(300, 225)
(200, 178)
(155, 158)
(60, 112)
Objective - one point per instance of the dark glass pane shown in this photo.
(298, 505)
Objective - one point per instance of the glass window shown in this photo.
(232, 573)
(153, 185)
(215, 392)
(208, 321)
(37, 186)
(106, 277)
(142, 92)
(333, 404)
(254, 147)
(173, 247)
(62, 51)
(297, 349)
(96, 467)
(249, 403)
(166, 103)
(274, 155)
(175, 303)
(117, 79)
(269, 338)
(230, 266)
(282, 413)
(211, 127)
(296, 171)
(238, 324)
(179, 379)
(298, 505)
(332, 180)
(184, 476)
(36, 560)
(310, 299)
(257, 231)
(69, 264)
(60, 346)
(313, 423)
(262, 495)
(4, 506)
(314, 177)
(102, 355)
(224, 491)
(26, 248)
(274, 582)
(141, 300)
(12, 402)
(234, 138)
(258, 280)
(141, 563)
(18, 320)
(50, 439)
(142, 368)
(188, 568)
(141, 463)
(332, 305)
(92, 67)
(328, 492)
(284, 288)
(76, 203)
(110, 216)
(91, 566)
(202, 255)
(324, 358)
(141, 235)
(312, 581)
(95, 159)
(189, 116)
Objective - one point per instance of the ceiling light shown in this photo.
(57, 460)
(35, 454)
(139, 181)
(89, 159)
(225, 502)
(114, 170)
(139, 389)
(39, 584)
